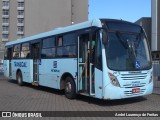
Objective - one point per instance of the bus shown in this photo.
(101, 58)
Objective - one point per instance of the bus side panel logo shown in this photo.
(20, 64)
(54, 64)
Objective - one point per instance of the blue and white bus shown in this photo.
(102, 58)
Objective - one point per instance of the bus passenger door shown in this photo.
(9, 52)
(98, 70)
(85, 65)
(35, 48)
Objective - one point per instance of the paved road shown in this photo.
(29, 98)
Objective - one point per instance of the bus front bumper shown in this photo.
(111, 92)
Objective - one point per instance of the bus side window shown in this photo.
(16, 51)
(6, 53)
(60, 41)
(35, 51)
(9, 53)
(98, 53)
(93, 43)
(25, 51)
(48, 47)
(66, 45)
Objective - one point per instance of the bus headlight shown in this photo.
(114, 80)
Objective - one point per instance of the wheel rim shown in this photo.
(68, 87)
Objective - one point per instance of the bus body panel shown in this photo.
(51, 71)
(129, 79)
(112, 92)
(6, 68)
(98, 83)
(47, 76)
(26, 68)
(106, 79)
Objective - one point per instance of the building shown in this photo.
(155, 25)
(22, 18)
(145, 22)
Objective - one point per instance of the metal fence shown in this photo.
(156, 76)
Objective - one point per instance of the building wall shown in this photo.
(145, 22)
(1, 54)
(63, 13)
(0, 20)
(45, 15)
(13, 20)
(79, 10)
(41, 16)
(155, 25)
(1, 43)
(158, 25)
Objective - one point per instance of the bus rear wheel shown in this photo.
(70, 88)
(19, 78)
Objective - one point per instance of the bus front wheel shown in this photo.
(70, 88)
(19, 78)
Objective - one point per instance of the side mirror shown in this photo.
(104, 37)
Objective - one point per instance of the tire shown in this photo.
(20, 79)
(70, 88)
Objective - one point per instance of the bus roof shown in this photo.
(87, 24)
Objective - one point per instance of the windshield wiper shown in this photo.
(130, 46)
(123, 42)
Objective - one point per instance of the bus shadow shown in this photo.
(47, 89)
(39, 88)
(83, 98)
(101, 102)
(12, 81)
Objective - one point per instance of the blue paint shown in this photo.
(20, 64)
(55, 70)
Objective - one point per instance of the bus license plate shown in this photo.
(136, 90)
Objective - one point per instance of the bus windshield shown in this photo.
(127, 52)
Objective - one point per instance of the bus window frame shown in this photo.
(65, 46)
(6, 53)
(29, 50)
(13, 50)
(37, 41)
(42, 47)
(98, 32)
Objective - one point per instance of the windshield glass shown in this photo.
(127, 52)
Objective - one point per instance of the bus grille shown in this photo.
(129, 93)
(133, 86)
(140, 76)
(134, 77)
